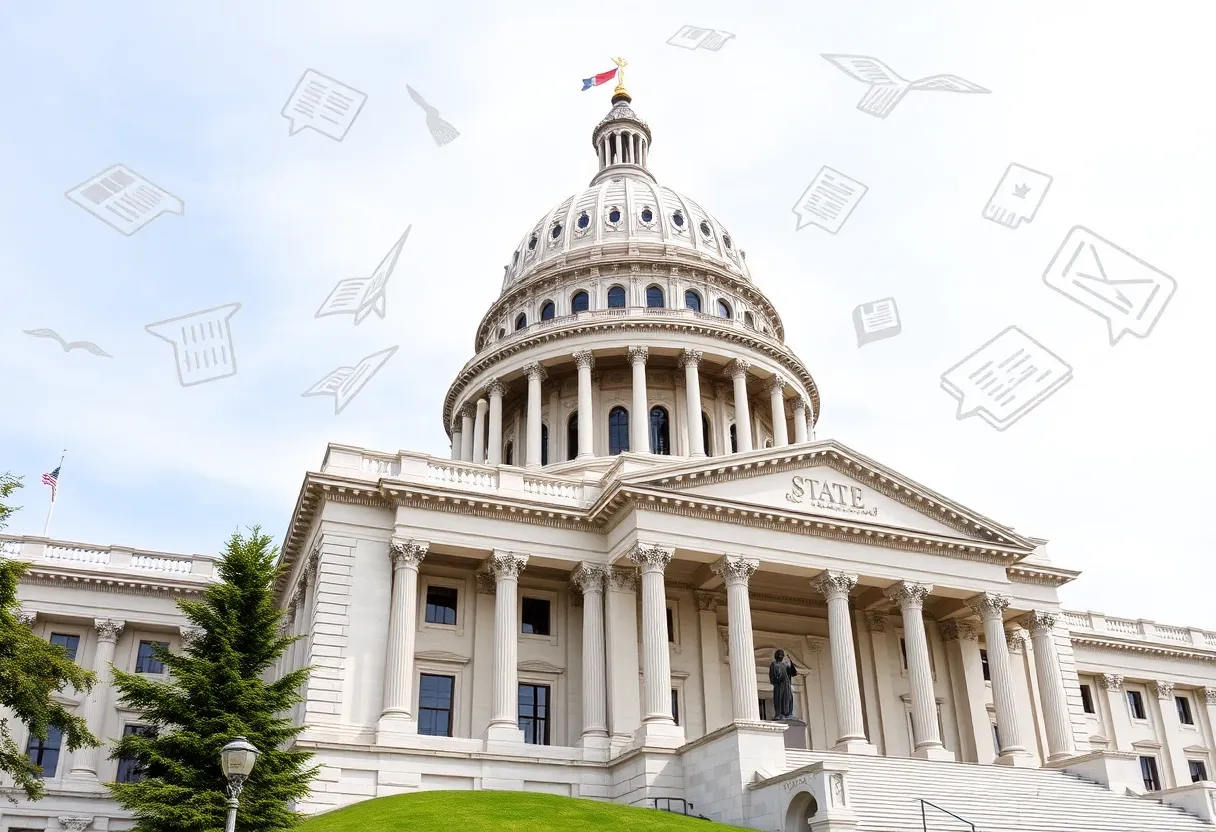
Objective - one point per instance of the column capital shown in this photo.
(535, 371)
(301, 592)
(26, 617)
(689, 357)
(834, 585)
(1209, 696)
(1015, 640)
(623, 578)
(799, 403)
(584, 359)
(775, 384)
(589, 577)
(1111, 681)
(314, 560)
(909, 594)
(876, 622)
(468, 410)
(989, 605)
(738, 368)
(638, 354)
(651, 557)
(708, 602)
(486, 585)
(1163, 689)
(506, 566)
(720, 389)
(191, 635)
(407, 553)
(735, 570)
(1038, 622)
(108, 629)
(494, 387)
(954, 630)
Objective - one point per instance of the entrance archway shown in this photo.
(802, 808)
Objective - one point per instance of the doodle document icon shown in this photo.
(1005, 379)
(202, 343)
(344, 383)
(876, 320)
(828, 201)
(324, 104)
(1110, 282)
(1017, 196)
(124, 200)
(360, 296)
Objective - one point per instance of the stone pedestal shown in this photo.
(795, 733)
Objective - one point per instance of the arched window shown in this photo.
(572, 436)
(521, 321)
(692, 301)
(548, 311)
(654, 297)
(502, 332)
(508, 454)
(724, 309)
(544, 444)
(734, 440)
(580, 302)
(705, 435)
(748, 320)
(660, 434)
(618, 430)
(616, 298)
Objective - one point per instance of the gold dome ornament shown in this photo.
(620, 93)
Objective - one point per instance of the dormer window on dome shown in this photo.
(647, 215)
(532, 243)
(556, 231)
(706, 231)
(677, 219)
(584, 220)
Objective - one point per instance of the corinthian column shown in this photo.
(926, 735)
(690, 361)
(737, 370)
(835, 587)
(536, 375)
(776, 394)
(495, 391)
(84, 759)
(590, 578)
(504, 716)
(396, 714)
(800, 420)
(1051, 684)
(658, 726)
(584, 360)
(639, 419)
(467, 411)
(745, 699)
(479, 432)
(991, 610)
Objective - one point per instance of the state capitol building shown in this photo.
(586, 597)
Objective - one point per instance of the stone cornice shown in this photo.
(110, 582)
(1106, 642)
(1052, 576)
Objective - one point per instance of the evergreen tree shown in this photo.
(30, 671)
(216, 693)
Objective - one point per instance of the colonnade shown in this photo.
(478, 436)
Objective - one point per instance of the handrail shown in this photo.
(924, 824)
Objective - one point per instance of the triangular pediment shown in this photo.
(828, 480)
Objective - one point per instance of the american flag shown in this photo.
(52, 479)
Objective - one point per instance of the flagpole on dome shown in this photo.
(52, 480)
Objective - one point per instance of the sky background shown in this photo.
(1111, 101)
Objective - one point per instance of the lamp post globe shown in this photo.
(237, 759)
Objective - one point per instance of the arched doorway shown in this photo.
(802, 808)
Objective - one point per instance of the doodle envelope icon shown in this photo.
(1110, 282)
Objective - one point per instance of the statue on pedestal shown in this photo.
(781, 673)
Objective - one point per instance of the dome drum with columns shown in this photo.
(628, 321)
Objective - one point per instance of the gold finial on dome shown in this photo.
(620, 92)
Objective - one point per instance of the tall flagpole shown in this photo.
(54, 491)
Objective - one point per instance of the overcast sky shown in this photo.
(1113, 104)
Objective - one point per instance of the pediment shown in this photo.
(831, 481)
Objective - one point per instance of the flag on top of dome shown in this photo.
(601, 78)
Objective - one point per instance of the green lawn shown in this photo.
(478, 811)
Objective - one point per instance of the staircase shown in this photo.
(885, 791)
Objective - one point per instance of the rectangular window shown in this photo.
(441, 605)
(1183, 704)
(67, 642)
(1135, 702)
(1148, 770)
(671, 627)
(675, 705)
(536, 616)
(984, 665)
(534, 713)
(45, 753)
(1087, 700)
(1199, 771)
(128, 767)
(145, 661)
(435, 705)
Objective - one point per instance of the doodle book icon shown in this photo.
(694, 37)
(344, 383)
(876, 321)
(360, 296)
(202, 344)
(887, 89)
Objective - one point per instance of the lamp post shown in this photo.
(237, 759)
